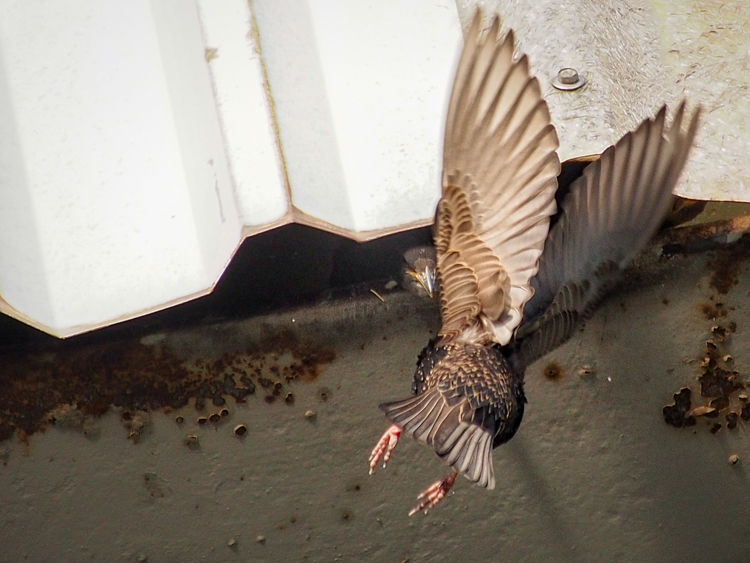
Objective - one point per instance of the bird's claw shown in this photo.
(385, 446)
(434, 494)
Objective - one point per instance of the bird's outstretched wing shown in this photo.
(499, 178)
(609, 214)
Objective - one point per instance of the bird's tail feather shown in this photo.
(465, 446)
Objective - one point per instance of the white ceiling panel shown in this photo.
(142, 140)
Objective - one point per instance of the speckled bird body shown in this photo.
(492, 388)
(467, 399)
(520, 263)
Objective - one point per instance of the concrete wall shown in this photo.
(594, 474)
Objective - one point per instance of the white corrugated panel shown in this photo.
(143, 139)
(116, 194)
(139, 146)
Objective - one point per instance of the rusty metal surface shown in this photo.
(47, 386)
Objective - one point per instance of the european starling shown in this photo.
(420, 271)
(512, 287)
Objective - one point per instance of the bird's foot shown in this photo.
(434, 493)
(384, 447)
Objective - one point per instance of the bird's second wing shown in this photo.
(499, 179)
(610, 213)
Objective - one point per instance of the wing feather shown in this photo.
(499, 178)
(430, 419)
(609, 214)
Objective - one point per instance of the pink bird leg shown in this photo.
(384, 447)
(434, 493)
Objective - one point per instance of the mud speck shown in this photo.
(137, 423)
(156, 487)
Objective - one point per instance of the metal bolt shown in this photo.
(568, 79)
(568, 76)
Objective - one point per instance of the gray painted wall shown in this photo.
(594, 474)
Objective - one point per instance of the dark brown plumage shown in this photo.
(512, 288)
(468, 400)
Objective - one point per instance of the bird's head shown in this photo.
(421, 270)
(426, 277)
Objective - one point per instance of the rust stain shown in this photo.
(732, 420)
(698, 238)
(719, 385)
(716, 381)
(678, 414)
(725, 265)
(553, 371)
(712, 311)
(725, 271)
(69, 384)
